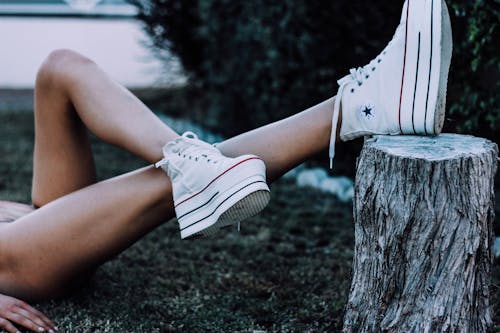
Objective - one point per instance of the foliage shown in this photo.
(258, 61)
(474, 79)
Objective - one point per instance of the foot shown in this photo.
(210, 190)
(402, 90)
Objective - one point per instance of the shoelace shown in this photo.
(356, 75)
(192, 136)
(189, 135)
(161, 163)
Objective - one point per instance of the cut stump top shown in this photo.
(432, 148)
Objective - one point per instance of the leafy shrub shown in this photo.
(475, 74)
(258, 61)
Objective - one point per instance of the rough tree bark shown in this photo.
(423, 211)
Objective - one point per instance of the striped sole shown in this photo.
(232, 207)
(446, 53)
(247, 207)
(426, 63)
(236, 194)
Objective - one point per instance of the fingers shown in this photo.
(29, 319)
(34, 312)
(7, 326)
(29, 323)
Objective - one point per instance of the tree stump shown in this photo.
(423, 211)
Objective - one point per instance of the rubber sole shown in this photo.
(237, 193)
(241, 203)
(446, 53)
(247, 207)
(427, 58)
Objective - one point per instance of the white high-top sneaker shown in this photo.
(210, 190)
(402, 90)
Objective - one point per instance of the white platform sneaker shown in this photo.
(210, 190)
(402, 90)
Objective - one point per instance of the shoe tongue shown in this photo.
(190, 142)
(201, 144)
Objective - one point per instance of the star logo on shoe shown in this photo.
(367, 111)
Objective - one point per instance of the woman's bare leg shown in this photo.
(71, 95)
(286, 143)
(41, 252)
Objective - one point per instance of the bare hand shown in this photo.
(14, 311)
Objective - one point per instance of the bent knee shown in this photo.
(59, 66)
(64, 59)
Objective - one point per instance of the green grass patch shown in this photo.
(288, 270)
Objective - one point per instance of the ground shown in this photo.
(288, 270)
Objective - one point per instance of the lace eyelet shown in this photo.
(367, 76)
(379, 61)
(360, 84)
(352, 90)
(373, 69)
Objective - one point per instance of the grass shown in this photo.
(287, 271)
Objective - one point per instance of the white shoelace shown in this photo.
(161, 163)
(188, 135)
(356, 75)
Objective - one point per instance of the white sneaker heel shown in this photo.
(212, 191)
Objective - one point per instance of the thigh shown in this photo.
(62, 159)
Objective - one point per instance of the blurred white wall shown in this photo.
(115, 44)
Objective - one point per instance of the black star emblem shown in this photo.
(367, 111)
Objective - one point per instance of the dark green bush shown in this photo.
(473, 97)
(258, 61)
